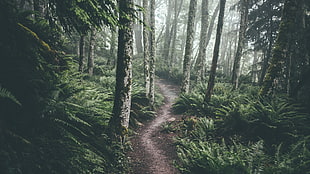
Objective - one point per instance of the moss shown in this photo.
(36, 37)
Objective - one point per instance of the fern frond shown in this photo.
(4, 93)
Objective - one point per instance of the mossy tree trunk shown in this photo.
(122, 101)
(152, 53)
(189, 46)
(146, 47)
(219, 29)
(281, 61)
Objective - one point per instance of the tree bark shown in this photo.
(91, 52)
(146, 48)
(201, 63)
(219, 29)
(152, 54)
(122, 101)
(189, 46)
(241, 41)
(82, 53)
(280, 54)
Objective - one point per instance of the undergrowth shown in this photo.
(54, 119)
(241, 132)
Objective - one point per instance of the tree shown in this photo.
(122, 101)
(91, 52)
(264, 20)
(241, 41)
(81, 53)
(203, 40)
(188, 47)
(152, 54)
(219, 29)
(287, 63)
(138, 31)
(167, 38)
(173, 35)
(146, 48)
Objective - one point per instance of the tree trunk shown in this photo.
(254, 67)
(219, 29)
(210, 31)
(280, 53)
(269, 51)
(82, 53)
(167, 39)
(91, 52)
(201, 63)
(177, 10)
(122, 101)
(152, 54)
(146, 48)
(242, 34)
(138, 32)
(189, 46)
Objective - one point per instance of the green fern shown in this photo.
(4, 93)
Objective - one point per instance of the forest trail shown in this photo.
(153, 151)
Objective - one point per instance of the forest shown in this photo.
(155, 86)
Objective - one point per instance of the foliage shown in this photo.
(242, 132)
(211, 157)
(53, 120)
(81, 15)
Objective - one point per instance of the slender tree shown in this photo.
(203, 40)
(138, 31)
(91, 52)
(122, 100)
(146, 48)
(82, 52)
(241, 41)
(219, 29)
(174, 28)
(189, 46)
(167, 38)
(152, 53)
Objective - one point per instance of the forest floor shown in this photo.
(153, 150)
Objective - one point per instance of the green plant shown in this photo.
(219, 158)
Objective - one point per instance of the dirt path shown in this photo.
(153, 152)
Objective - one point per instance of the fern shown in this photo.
(4, 93)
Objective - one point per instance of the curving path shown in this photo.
(153, 152)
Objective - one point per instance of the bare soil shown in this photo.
(153, 151)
